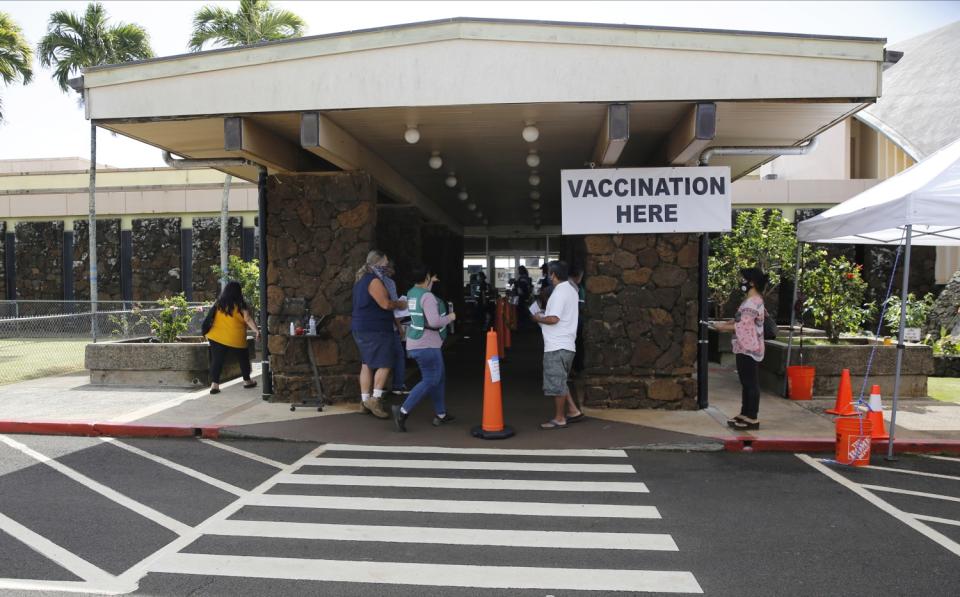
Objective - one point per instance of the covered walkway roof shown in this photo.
(344, 100)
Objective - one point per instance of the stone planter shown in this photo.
(852, 354)
(720, 348)
(142, 363)
(946, 366)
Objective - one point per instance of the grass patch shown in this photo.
(944, 388)
(30, 358)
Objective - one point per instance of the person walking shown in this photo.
(428, 321)
(373, 330)
(228, 334)
(558, 323)
(523, 288)
(748, 346)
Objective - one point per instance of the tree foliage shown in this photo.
(16, 57)
(835, 294)
(757, 240)
(917, 311)
(248, 274)
(255, 21)
(74, 42)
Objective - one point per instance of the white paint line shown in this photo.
(63, 586)
(926, 518)
(909, 472)
(244, 453)
(476, 451)
(947, 458)
(146, 411)
(140, 569)
(147, 512)
(546, 467)
(935, 496)
(904, 517)
(436, 575)
(444, 536)
(53, 552)
(177, 467)
(455, 506)
(444, 483)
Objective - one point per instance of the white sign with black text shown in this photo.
(645, 200)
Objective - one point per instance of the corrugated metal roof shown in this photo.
(919, 109)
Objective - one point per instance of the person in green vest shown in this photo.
(425, 335)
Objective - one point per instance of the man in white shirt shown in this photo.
(559, 326)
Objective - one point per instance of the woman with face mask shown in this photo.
(373, 330)
(748, 346)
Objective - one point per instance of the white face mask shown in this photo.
(744, 287)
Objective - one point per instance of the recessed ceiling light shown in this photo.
(412, 134)
(533, 159)
(435, 161)
(451, 180)
(530, 133)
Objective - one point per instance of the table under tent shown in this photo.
(919, 206)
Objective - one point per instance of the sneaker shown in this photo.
(364, 408)
(437, 421)
(375, 406)
(399, 419)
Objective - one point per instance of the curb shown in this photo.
(107, 429)
(748, 443)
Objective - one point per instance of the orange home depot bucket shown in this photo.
(853, 440)
(800, 382)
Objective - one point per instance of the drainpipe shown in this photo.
(266, 378)
(774, 150)
(705, 156)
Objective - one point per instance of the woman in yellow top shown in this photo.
(228, 334)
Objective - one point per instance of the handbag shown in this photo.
(769, 327)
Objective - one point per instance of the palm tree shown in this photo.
(16, 57)
(255, 21)
(74, 42)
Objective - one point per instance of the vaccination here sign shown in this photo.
(645, 200)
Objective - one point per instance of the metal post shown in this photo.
(703, 400)
(900, 346)
(264, 351)
(93, 230)
(224, 237)
(793, 314)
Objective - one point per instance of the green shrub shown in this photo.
(835, 294)
(173, 319)
(946, 345)
(917, 311)
(248, 274)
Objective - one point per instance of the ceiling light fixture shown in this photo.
(530, 133)
(471, 206)
(533, 158)
(451, 180)
(535, 206)
(435, 161)
(534, 194)
(412, 134)
(462, 195)
(534, 179)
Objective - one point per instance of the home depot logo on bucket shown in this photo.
(858, 448)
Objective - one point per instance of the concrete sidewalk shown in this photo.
(69, 404)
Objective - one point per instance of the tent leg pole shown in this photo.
(900, 345)
(793, 316)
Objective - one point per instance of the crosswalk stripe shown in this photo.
(244, 453)
(454, 506)
(547, 467)
(476, 451)
(444, 536)
(445, 483)
(487, 577)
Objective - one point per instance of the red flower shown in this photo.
(851, 275)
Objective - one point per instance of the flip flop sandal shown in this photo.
(744, 426)
(577, 418)
(250, 385)
(733, 420)
(551, 425)
(215, 391)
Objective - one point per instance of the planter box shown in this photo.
(945, 366)
(142, 363)
(720, 348)
(853, 354)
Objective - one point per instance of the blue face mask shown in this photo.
(379, 270)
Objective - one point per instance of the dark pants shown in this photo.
(219, 352)
(578, 343)
(749, 372)
(399, 363)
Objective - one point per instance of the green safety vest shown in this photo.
(418, 321)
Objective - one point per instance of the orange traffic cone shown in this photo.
(844, 404)
(875, 415)
(492, 426)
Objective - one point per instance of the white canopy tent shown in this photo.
(919, 206)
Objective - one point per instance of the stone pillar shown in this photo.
(640, 333)
(206, 254)
(156, 258)
(39, 273)
(320, 228)
(398, 235)
(67, 261)
(108, 260)
(6, 252)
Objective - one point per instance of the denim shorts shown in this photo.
(377, 349)
(556, 368)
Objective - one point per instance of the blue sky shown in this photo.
(43, 122)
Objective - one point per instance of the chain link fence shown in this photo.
(41, 338)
